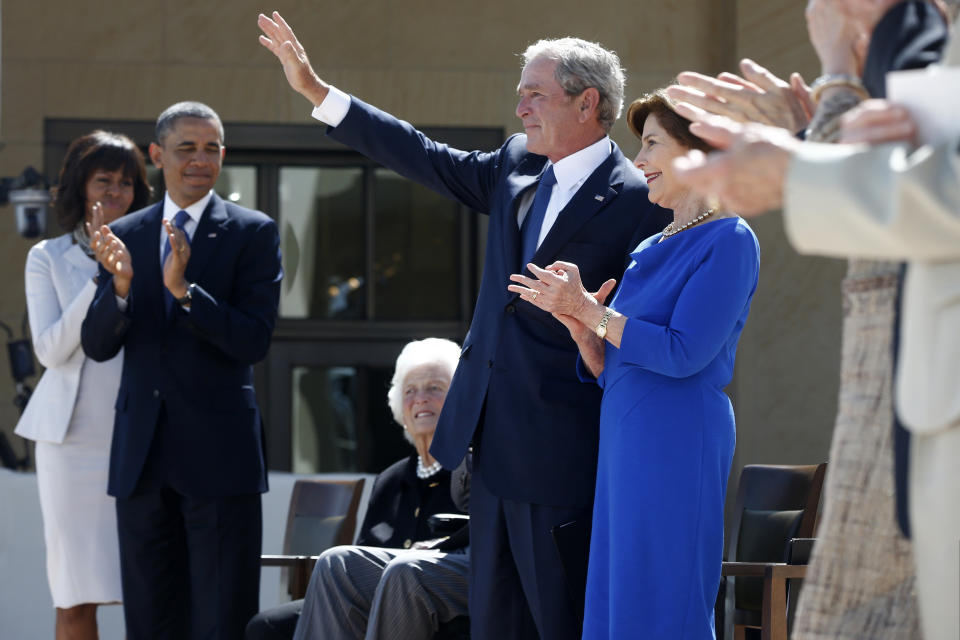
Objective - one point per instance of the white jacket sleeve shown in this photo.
(878, 202)
(55, 330)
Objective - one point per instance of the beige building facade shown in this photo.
(452, 66)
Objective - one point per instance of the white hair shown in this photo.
(582, 65)
(439, 351)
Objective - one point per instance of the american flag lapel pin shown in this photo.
(212, 234)
(598, 198)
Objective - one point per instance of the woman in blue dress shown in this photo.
(662, 351)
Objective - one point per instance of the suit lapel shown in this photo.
(594, 194)
(210, 230)
(79, 264)
(143, 241)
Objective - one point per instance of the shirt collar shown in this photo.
(576, 167)
(195, 210)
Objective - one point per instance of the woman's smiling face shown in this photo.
(655, 160)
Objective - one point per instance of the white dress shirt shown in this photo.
(571, 172)
(170, 210)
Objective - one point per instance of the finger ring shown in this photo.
(535, 294)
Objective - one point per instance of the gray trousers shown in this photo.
(379, 594)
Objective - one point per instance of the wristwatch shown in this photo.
(602, 327)
(188, 296)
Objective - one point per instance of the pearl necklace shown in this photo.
(424, 471)
(670, 231)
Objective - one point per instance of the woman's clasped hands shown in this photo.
(559, 290)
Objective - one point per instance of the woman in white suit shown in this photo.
(70, 416)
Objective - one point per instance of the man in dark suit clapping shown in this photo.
(189, 289)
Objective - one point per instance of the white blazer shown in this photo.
(59, 286)
(886, 203)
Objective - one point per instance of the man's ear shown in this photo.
(156, 155)
(589, 101)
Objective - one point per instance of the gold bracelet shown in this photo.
(601, 329)
(831, 80)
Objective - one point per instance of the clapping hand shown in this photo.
(110, 251)
(176, 263)
(757, 96)
(559, 290)
(876, 122)
(279, 38)
(748, 174)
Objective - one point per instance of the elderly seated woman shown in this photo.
(387, 587)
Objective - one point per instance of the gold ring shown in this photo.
(535, 294)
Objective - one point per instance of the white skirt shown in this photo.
(79, 518)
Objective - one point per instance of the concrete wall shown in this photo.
(436, 63)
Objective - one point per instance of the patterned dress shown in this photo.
(860, 583)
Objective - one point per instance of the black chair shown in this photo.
(322, 514)
(775, 504)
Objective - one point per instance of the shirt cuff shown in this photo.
(121, 303)
(333, 109)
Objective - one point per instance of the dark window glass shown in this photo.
(322, 236)
(416, 265)
(340, 421)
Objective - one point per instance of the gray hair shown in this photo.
(582, 65)
(188, 109)
(439, 351)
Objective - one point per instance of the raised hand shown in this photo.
(279, 38)
(110, 251)
(176, 263)
(838, 32)
(876, 122)
(757, 96)
(748, 174)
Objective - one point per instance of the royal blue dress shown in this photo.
(667, 435)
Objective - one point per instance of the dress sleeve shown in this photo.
(55, 331)
(706, 312)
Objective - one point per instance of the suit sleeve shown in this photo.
(242, 325)
(706, 312)
(55, 330)
(879, 202)
(379, 508)
(468, 177)
(104, 328)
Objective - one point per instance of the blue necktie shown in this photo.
(530, 229)
(179, 221)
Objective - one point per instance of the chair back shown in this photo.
(775, 503)
(323, 514)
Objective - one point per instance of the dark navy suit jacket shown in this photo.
(518, 364)
(196, 365)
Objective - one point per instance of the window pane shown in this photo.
(417, 243)
(324, 428)
(322, 238)
(340, 420)
(238, 184)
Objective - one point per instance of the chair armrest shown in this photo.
(300, 568)
(776, 570)
(267, 560)
(444, 524)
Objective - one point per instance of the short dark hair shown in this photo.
(188, 109)
(98, 150)
(658, 104)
